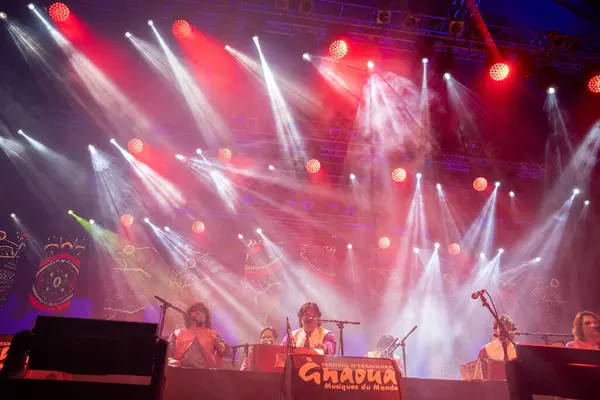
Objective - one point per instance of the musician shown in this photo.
(586, 329)
(197, 345)
(494, 350)
(311, 334)
(383, 344)
(268, 335)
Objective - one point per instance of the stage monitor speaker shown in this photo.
(554, 371)
(86, 347)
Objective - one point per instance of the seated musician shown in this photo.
(268, 335)
(494, 349)
(586, 329)
(311, 334)
(197, 345)
(383, 344)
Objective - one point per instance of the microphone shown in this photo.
(478, 294)
(199, 323)
(269, 341)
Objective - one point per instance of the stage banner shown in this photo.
(349, 378)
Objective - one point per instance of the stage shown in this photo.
(184, 384)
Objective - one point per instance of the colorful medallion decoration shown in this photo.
(261, 260)
(56, 278)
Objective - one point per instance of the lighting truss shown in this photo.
(360, 24)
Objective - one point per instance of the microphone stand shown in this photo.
(340, 325)
(164, 306)
(403, 344)
(504, 336)
(234, 351)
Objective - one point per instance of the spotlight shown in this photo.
(499, 71)
(198, 151)
(480, 184)
(352, 176)
(416, 250)
(20, 132)
(593, 83)
(272, 168)
(398, 174)
(425, 60)
(198, 227)
(313, 166)
(146, 220)
(150, 22)
(128, 35)
(447, 76)
(224, 155)
(181, 29)
(179, 157)
(338, 49)
(349, 246)
(576, 191)
(91, 148)
(419, 175)
(306, 57)
(167, 229)
(384, 242)
(135, 146)
(92, 222)
(538, 259)
(255, 38)
(497, 184)
(587, 202)
(370, 64)
(482, 255)
(437, 245)
(240, 236)
(3, 15)
(30, 6)
(500, 251)
(70, 212)
(454, 249)
(511, 194)
(59, 12)
(227, 47)
(126, 220)
(259, 231)
(113, 141)
(13, 215)
(551, 90)
(438, 186)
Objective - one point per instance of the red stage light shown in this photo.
(181, 29)
(126, 220)
(499, 71)
(224, 155)
(454, 249)
(384, 242)
(594, 84)
(480, 184)
(59, 12)
(198, 227)
(338, 49)
(399, 175)
(313, 166)
(135, 146)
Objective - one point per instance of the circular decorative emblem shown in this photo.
(55, 282)
(129, 249)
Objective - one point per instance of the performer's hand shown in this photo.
(174, 363)
(319, 346)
